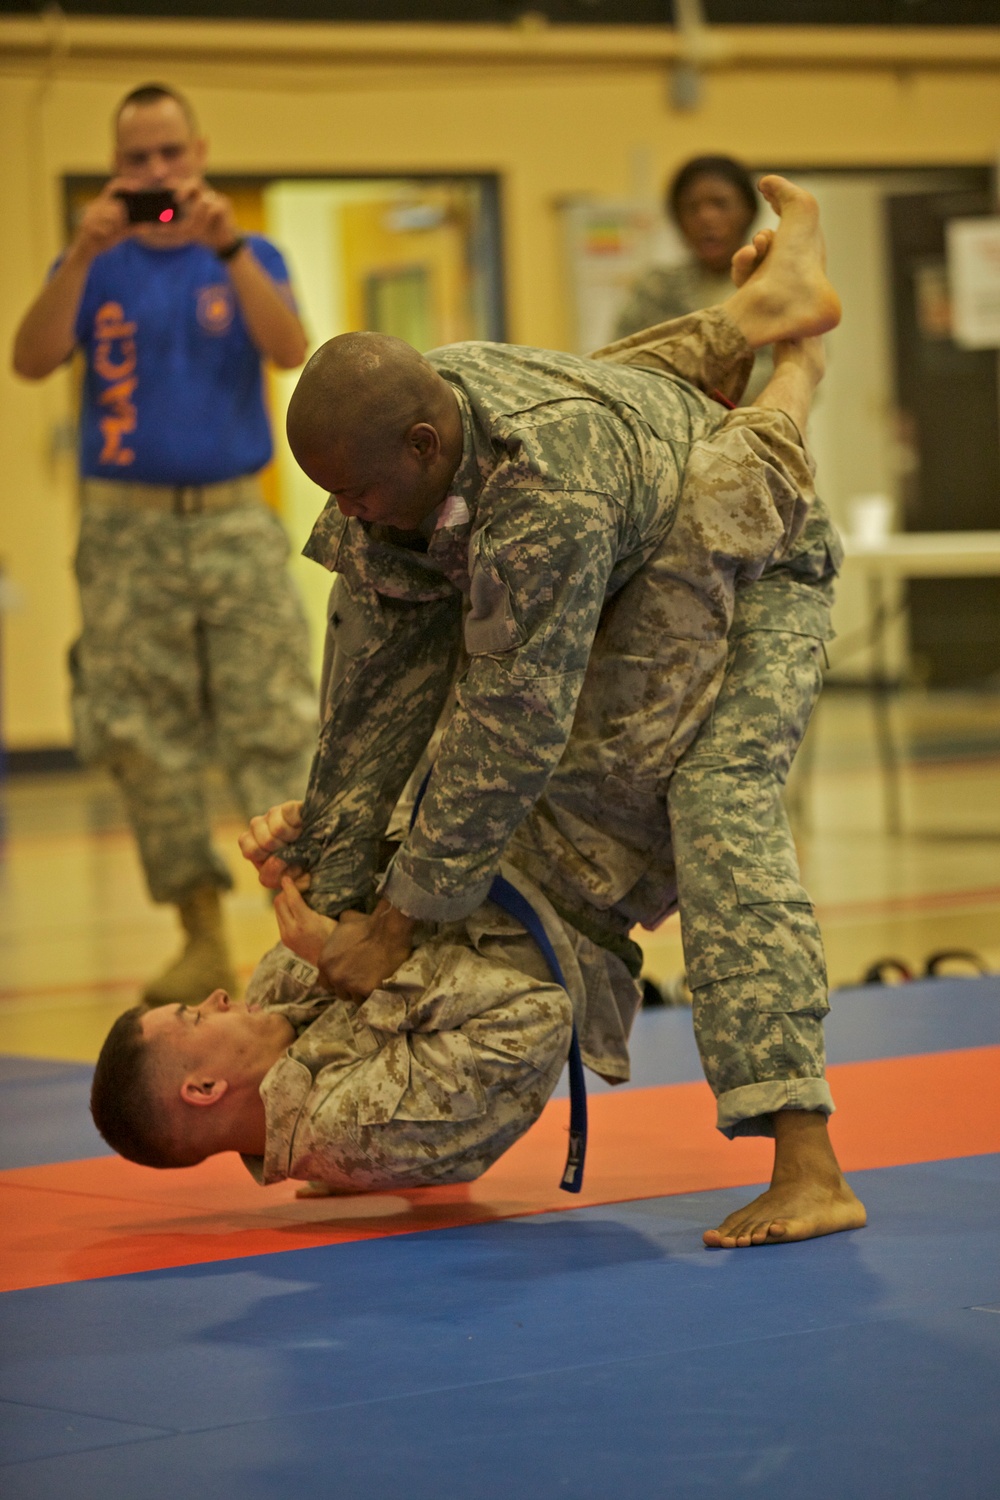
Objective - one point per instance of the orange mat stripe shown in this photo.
(104, 1217)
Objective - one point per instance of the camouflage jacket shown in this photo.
(570, 478)
(435, 1075)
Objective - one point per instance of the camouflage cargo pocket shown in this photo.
(772, 939)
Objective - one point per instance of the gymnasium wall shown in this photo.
(554, 114)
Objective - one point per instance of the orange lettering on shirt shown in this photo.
(117, 365)
(105, 366)
(119, 421)
(109, 322)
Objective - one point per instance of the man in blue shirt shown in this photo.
(194, 642)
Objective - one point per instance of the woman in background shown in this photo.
(713, 203)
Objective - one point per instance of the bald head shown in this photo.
(375, 424)
(365, 386)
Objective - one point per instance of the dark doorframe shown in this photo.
(950, 409)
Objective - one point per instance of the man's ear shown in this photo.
(199, 1090)
(425, 440)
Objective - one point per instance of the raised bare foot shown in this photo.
(792, 1211)
(808, 1196)
(786, 295)
(749, 257)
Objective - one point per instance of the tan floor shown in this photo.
(78, 934)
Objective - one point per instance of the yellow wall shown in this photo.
(554, 117)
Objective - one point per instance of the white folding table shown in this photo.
(898, 557)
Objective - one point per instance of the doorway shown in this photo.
(948, 414)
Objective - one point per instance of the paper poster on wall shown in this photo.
(974, 274)
(607, 244)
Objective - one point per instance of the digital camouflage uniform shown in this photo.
(437, 1073)
(572, 474)
(624, 833)
(600, 841)
(443, 1068)
(194, 649)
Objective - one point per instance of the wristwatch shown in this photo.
(228, 251)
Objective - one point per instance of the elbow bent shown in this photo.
(33, 366)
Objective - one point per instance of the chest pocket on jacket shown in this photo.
(355, 626)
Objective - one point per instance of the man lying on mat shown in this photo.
(414, 1097)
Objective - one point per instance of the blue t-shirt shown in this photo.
(173, 392)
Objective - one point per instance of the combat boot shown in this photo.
(204, 965)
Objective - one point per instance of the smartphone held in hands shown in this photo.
(151, 206)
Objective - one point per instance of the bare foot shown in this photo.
(808, 1196)
(790, 1212)
(749, 257)
(786, 295)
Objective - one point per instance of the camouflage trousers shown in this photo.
(194, 649)
(752, 945)
(706, 834)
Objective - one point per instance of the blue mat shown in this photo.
(586, 1354)
(45, 1113)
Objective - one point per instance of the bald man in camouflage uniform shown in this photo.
(572, 473)
(441, 1068)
